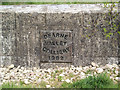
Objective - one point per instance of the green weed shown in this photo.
(99, 81)
(59, 78)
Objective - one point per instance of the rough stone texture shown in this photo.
(0, 37)
(21, 26)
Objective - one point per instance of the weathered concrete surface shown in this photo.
(21, 27)
(0, 35)
(64, 8)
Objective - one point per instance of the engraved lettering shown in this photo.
(61, 51)
(56, 45)
(60, 43)
(57, 35)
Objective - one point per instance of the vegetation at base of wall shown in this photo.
(14, 85)
(21, 84)
(27, 3)
(99, 81)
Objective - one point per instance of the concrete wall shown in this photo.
(21, 27)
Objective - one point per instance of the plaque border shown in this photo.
(72, 52)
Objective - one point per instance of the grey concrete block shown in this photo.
(22, 26)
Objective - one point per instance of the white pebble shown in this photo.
(26, 81)
(117, 78)
(116, 72)
(82, 73)
(67, 80)
(94, 64)
(11, 66)
(47, 86)
(99, 70)
(108, 66)
(61, 75)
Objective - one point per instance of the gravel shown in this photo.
(68, 74)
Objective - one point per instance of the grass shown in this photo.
(37, 3)
(13, 85)
(99, 81)
(60, 78)
(43, 84)
(21, 84)
(88, 72)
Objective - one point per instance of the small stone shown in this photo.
(72, 79)
(111, 77)
(20, 74)
(82, 77)
(47, 71)
(117, 78)
(116, 72)
(71, 71)
(4, 81)
(26, 81)
(72, 66)
(108, 72)
(22, 68)
(34, 68)
(115, 65)
(89, 75)
(38, 81)
(7, 78)
(95, 73)
(76, 73)
(94, 64)
(25, 71)
(33, 78)
(0, 84)
(12, 74)
(82, 73)
(79, 68)
(108, 66)
(67, 80)
(86, 68)
(99, 70)
(11, 66)
(93, 68)
(17, 68)
(1, 66)
(47, 86)
(62, 75)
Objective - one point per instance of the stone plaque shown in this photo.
(56, 46)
